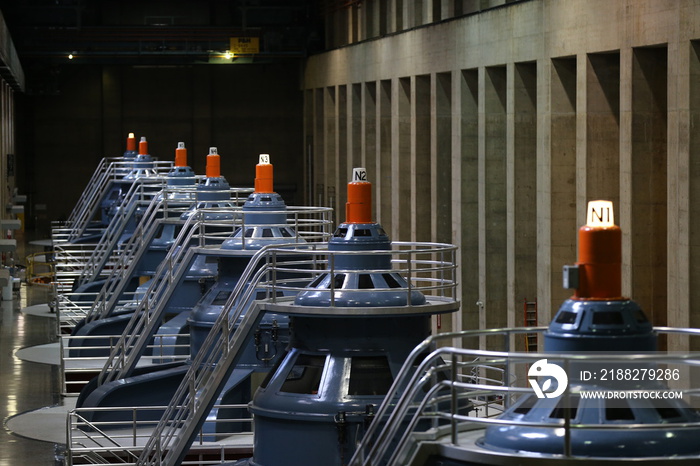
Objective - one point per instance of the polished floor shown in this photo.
(25, 386)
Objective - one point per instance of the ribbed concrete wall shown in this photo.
(493, 131)
(11, 80)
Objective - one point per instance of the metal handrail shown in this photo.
(114, 171)
(196, 230)
(88, 193)
(109, 438)
(165, 202)
(145, 317)
(137, 195)
(404, 401)
(206, 376)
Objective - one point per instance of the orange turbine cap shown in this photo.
(264, 175)
(213, 164)
(131, 143)
(600, 254)
(358, 209)
(180, 155)
(143, 146)
(600, 262)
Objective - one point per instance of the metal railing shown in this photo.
(78, 369)
(429, 268)
(225, 341)
(430, 388)
(120, 442)
(119, 262)
(92, 188)
(167, 203)
(107, 172)
(311, 224)
(199, 236)
(140, 195)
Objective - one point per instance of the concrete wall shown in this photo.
(243, 110)
(494, 129)
(11, 81)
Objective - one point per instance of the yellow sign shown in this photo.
(245, 45)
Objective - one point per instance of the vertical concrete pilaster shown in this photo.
(522, 229)
(319, 144)
(561, 167)
(385, 154)
(421, 195)
(648, 182)
(494, 252)
(401, 161)
(689, 187)
(469, 149)
(682, 71)
(330, 150)
(356, 131)
(342, 176)
(623, 209)
(545, 260)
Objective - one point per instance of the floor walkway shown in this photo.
(25, 386)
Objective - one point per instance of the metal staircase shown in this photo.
(105, 301)
(273, 270)
(210, 368)
(139, 195)
(93, 189)
(107, 172)
(434, 385)
(198, 236)
(165, 207)
(232, 331)
(133, 251)
(148, 315)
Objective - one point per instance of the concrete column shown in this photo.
(442, 147)
(543, 160)
(342, 174)
(356, 140)
(648, 181)
(369, 136)
(603, 128)
(319, 144)
(368, 127)
(581, 138)
(493, 250)
(455, 197)
(385, 148)
(623, 209)
(683, 72)
(422, 201)
(401, 161)
(522, 231)
(693, 188)
(510, 195)
(331, 140)
(559, 192)
(469, 153)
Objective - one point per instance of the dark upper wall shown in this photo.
(243, 110)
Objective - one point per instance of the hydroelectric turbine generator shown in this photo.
(600, 392)
(598, 320)
(263, 221)
(352, 328)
